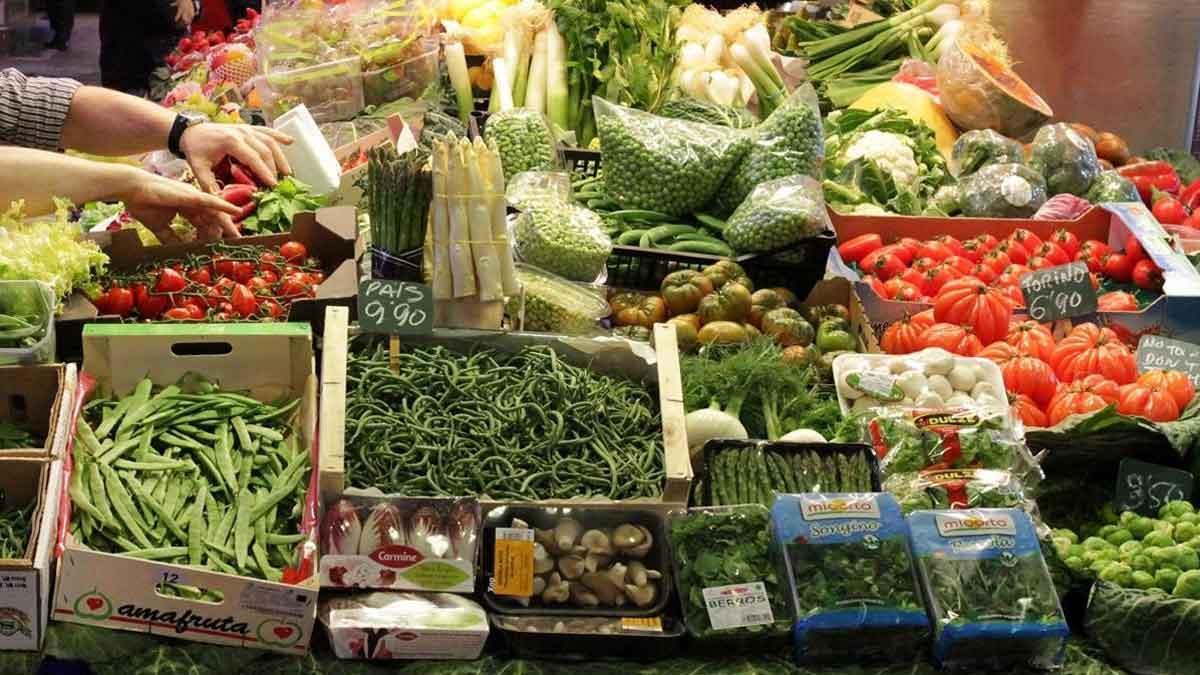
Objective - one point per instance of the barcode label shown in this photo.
(738, 606)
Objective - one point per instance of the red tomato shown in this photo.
(169, 281)
(956, 247)
(876, 285)
(1133, 248)
(1119, 267)
(1054, 253)
(270, 261)
(103, 303)
(883, 263)
(914, 277)
(178, 314)
(899, 289)
(910, 247)
(959, 263)
(1147, 275)
(316, 278)
(272, 309)
(244, 302)
(1066, 240)
(243, 272)
(1093, 263)
(1016, 253)
(271, 276)
(1017, 271)
(1025, 238)
(973, 250)
(195, 312)
(201, 275)
(1015, 296)
(152, 305)
(997, 260)
(120, 301)
(851, 251)
(983, 273)
(924, 264)
(936, 249)
(293, 252)
(970, 302)
(225, 308)
(224, 267)
(1093, 249)
(1169, 211)
(938, 277)
(987, 241)
(1117, 301)
(259, 285)
(1037, 262)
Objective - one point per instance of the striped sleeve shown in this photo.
(33, 110)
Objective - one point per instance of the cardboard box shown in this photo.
(25, 581)
(387, 626)
(840, 291)
(114, 591)
(330, 234)
(659, 364)
(40, 398)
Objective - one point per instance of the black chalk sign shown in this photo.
(395, 307)
(1145, 487)
(1155, 352)
(1059, 292)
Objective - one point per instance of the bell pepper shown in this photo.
(1150, 176)
(1190, 196)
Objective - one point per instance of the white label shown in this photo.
(276, 600)
(823, 508)
(514, 533)
(874, 383)
(738, 606)
(974, 524)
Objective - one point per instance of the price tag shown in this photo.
(1059, 292)
(1155, 352)
(1145, 487)
(395, 307)
(738, 605)
(512, 571)
(642, 624)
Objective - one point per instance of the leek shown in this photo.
(535, 94)
(556, 78)
(456, 65)
(483, 251)
(770, 96)
(502, 88)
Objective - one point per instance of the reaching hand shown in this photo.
(257, 148)
(185, 11)
(155, 200)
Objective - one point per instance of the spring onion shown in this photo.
(456, 65)
(535, 93)
(556, 77)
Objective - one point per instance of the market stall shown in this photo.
(623, 336)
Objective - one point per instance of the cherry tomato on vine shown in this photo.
(244, 302)
(293, 285)
(170, 281)
(223, 266)
(271, 308)
(259, 285)
(201, 275)
(178, 314)
(293, 251)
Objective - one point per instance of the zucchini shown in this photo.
(711, 248)
(630, 237)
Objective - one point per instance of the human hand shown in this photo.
(155, 201)
(257, 148)
(185, 12)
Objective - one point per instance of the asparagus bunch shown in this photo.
(399, 190)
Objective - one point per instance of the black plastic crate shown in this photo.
(580, 645)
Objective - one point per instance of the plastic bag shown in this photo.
(563, 238)
(725, 552)
(777, 214)
(385, 626)
(789, 142)
(525, 141)
(977, 149)
(1002, 191)
(1111, 186)
(526, 189)
(958, 489)
(930, 379)
(551, 304)
(27, 334)
(1065, 159)
(661, 164)
(988, 590)
(910, 441)
(848, 566)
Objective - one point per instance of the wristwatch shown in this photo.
(183, 121)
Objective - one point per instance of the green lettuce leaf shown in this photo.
(1143, 631)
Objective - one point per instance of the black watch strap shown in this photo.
(179, 126)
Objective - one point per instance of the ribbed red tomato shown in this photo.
(973, 303)
(1176, 383)
(904, 336)
(1031, 338)
(953, 338)
(1030, 376)
(999, 352)
(1117, 301)
(1153, 403)
(1080, 397)
(1028, 412)
(1091, 350)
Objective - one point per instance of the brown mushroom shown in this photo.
(643, 547)
(606, 591)
(566, 533)
(596, 541)
(557, 590)
(642, 596)
(582, 596)
(571, 566)
(542, 562)
(626, 536)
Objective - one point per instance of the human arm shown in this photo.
(106, 122)
(38, 177)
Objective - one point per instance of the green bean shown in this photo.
(163, 553)
(130, 517)
(243, 528)
(197, 528)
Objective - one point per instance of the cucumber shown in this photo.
(630, 237)
(711, 248)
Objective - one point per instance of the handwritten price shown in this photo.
(401, 314)
(1062, 304)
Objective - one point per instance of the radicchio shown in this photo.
(1063, 206)
(384, 527)
(341, 529)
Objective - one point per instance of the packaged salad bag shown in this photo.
(988, 590)
(847, 561)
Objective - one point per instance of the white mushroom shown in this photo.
(566, 533)
(930, 399)
(960, 400)
(912, 383)
(938, 362)
(596, 541)
(983, 388)
(557, 590)
(617, 574)
(939, 385)
(844, 387)
(642, 549)
(897, 366)
(546, 539)
(542, 562)
(962, 377)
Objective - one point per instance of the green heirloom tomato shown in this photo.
(789, 328)
(834, 340)
(683, 290)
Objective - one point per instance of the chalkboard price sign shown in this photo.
(1155, 352)
(1059, 292)
(395, 307)
(1145, 487)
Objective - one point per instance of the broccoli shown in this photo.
(777, 213)
(1111, 186)
(1065, 159)
(563, 238)
(983, 147)
(523, 140)
(787, 143)
(665, 165)
(1002, 191)
(1187, 585)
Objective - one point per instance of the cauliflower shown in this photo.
(892, 152)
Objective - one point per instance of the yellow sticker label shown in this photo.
(644, 624)
(512, 571)
(394, 354)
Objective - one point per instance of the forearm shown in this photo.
(38, 177)
(106, 122)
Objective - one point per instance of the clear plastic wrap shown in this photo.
(978, 91)
(332, 91)
(525, 141)
(1002, 191)
(789, 142)
(989, 592)
(563, 238)
(666, 165)
(1065, 158)
(984, 147)
(26, 323)
(930, 378)
(529, 188)
(728, 549)
(917, 440)
(850, 572)
(386, 626)
(777, 214)
(551, 304)
(1111, 186)
(958, 489)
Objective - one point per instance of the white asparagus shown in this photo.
(483, 250)
(439, 231)
(503, 83)
(461, 267)
(500, 235)
(535, 92)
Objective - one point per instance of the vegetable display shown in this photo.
(748, 473)
(506, 426)
(16, 524)
(399, 190)
(51, 252)
(957, 489)
(987, 588)
(192, 474)
(913, 441)
(851, 576)
(562, 238)
(932, 378)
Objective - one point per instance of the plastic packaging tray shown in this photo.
(332, 91)
(407, 78)
(587, 639)
(42, 297)
(601, 517)
(701, 494)
(889, 365)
